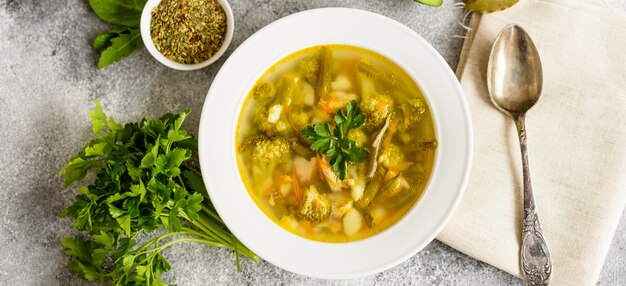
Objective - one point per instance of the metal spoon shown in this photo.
(514, 79)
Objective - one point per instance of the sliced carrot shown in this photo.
(319, 166)
(380, 105)
(277, 178)
(267, 192)
(393, 127)
(334, 225)
(297, 192)
(307, 227)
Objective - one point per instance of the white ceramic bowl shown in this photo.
(335, 26)
(144, 26)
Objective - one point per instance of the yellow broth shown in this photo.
(293, 185)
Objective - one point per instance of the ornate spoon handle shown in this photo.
(534, 255)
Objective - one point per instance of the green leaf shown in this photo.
(120, 12)
(124, 245)
(115, 197)
(173, 220)
(339, 166)
(128, 261)
(124, 222)
(358, 154)
(131, 206)
(83, 218)
(113, 124)
(322, 130)
(98, 118)
(75, 170)
(98, 256)
(76, 247)
(103, 40)
(115, 212)
(194, 206)
(168, 163)
(138, 190)
(135, 173)
(177, 135)
(179, 193)
(121, 46)
(160, 265)
(194, 182)
(321, 145)
(309, 133)
(141, 271)
(97, 149)
(84, 271)
(147, 161)
(104, 238)
(180, 118)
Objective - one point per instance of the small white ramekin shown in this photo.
(146, 17)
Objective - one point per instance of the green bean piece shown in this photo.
(289, 89)
(394, 186)
(402, 199)
(382, 77)
(324, 79)
(370, 191)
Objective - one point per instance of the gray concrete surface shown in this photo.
(49, 80)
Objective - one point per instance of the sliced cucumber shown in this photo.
(434, 3)
(488, 6)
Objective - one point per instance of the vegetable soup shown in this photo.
(335, 143)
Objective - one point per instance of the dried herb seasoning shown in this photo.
(188, 31)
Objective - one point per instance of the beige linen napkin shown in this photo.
(576, 135)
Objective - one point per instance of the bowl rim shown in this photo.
(326, 257)
(144, 28)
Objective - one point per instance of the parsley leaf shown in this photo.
(339, 150)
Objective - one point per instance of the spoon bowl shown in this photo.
(514, 73)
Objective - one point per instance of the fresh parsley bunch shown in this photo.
(143, 181)
(339, 150)
(119, 42)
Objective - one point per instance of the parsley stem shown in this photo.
(212, 214)
(157, 239)
(224, 236)
(178, 240)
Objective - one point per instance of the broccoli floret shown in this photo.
(260, 121)
(358, 136)
(414, 111)
(267, 151)
(376, 108)
(391, 156)
(310, 68)
(315, 207)
(298, 120)
(264, 91)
